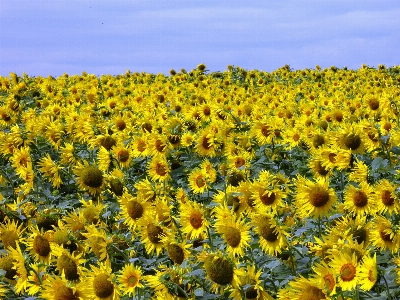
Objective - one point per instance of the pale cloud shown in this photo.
(52, 37)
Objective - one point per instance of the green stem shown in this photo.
(319, 227)
(210, 239)
(387, 288)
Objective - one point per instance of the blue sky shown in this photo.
(109, 37)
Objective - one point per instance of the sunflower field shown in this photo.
(239, 184)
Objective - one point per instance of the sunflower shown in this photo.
(272, 236)
(10, 233)
(315, 164)
(325, 276)
(97, 240)
(158, 169)
(152, 234)
(352, 228)
(385, 198)
(346, 267)
(207, 166)
(198, 181)
(103, 159)
(50, 169)
(90, 211)
(187, 139)
(130, 278)
(249, 278)
(333, 158)
(314, 199)
(235, 233)
(177, 251)
(359, 172)
(350, 138)
(367, 273)
(21, 161)
(101, 282)
(90, 177)
(267, 198)
(206, 145)
(159, 146)
(193, 221)
(37, 275)
(220, 270)
(263, 131)
(167, 284)
(57, 288)
(19, 265)
(383, 235)
(69, 264)
(140, 147)
(67, 154)
(303, 288)
(123, 155)
(39, 245)
(133, 209)
(358, 201)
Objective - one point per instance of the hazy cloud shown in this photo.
(53, 37)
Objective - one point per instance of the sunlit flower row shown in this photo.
(198, 185)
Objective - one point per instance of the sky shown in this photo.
(109, 37)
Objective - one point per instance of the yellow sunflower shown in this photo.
(367, 273)
(358, 200)
(206, 145)
(346, 267)
(167, 284)
(158, 169)
(133, 209)
(314, 199)
(19, 265)
(235, 233)
(123, 155)
(272, 236)
(152, 234)
(221, 271)
(130, 278)
(198, 181)
(101, 282)
(69, 264)
(38, 245)
(97, 240)
(326, 277)
(193, 221)
(10, 233)
(57, 288)
(50, 169)
(303, 288)
(90, 177)
(249, 278)
(383, 235)
(385, 198)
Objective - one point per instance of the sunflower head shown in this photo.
(175, 253)
(232, 236)
(134, 209)
(65, 293)
(6, 264)
(67, 265)
(102, 285)
(92, 177)
(41, 245)
(153, 233)
(352, 141)
(116, 186)
(219, 269)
